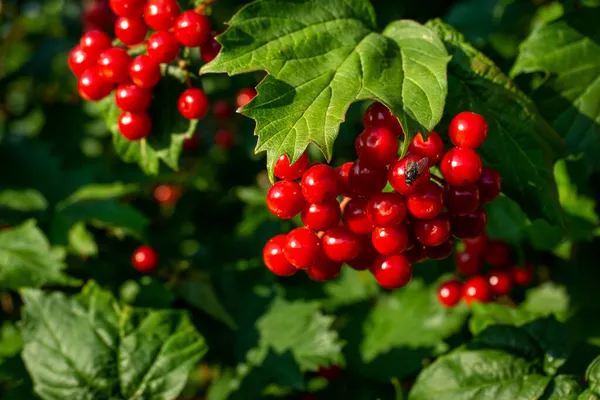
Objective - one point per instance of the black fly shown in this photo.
(414, 169)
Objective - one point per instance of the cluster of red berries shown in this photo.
(102, 67)
(499, 280)
(382, 231)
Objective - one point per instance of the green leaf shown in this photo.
(567, 52)
(486, 315)
(563, 387)
(89, 347)
(547, 298)
(592, 375)
(506, 220)
(520, 145)
(23, 200)
(98, 192)
(26, 259)
(81, 241)
(201, 294)
(323, 55)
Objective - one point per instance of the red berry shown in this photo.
(461, 166)
(389, 241)
(283, 169)
(461, 200)
(386, 209)
(469, 226)
(366, 180)
(79, 61)
(397, 175)
(160, 15)
(274, 258)
(95, 42)
(497, 253)
(284, 199)
(477, 288)
(162, 47)
(192, 29)
(379, 115)
(355, 216)
(130, 97)
(97, 15)
(113, 65)
(392, 272)
(224, 139)
(427, 203)
(416, 253)
(339, 244)
(324, 269)
(135, 126)
(476, 245)
(222, 110)
(210, 50)
(128, 8)
(303, 248)
(244, 96)
(331, 373)
(366, 257)
(467, 263)
(166, 195)
(468, 129)
(377, 146)
(144, 71)
(489, 185)
(319, 184)
(320, 217)
(145, 259)
(442, 251)
(432, 147)
(433, 232)
(193, 104)
(92, 85)
(522, 276)
(343, 171)
(190, 143)
(449, 293)
(130, 31)
(500, 281)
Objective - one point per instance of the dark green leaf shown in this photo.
(485, 315)
(201, 294)
(23, 200)
(506, 220)
(563, 387)
(592, 375)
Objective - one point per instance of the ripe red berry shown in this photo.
(427, 203)
(489, 185)
(442, 251)
(392, 272)
(303, 248)
(397, 175)
(389, 241)
(432, 147)
(324, 269)
(95, 42)
(497, 253)
(320, 217)
(379, 115)
(341, 245)
(222, 110)
(79, 61)
(283, 169)
(162, 47)
(366, 180)
(284, 199)
(416, 253)
(366, 257)
(377, 146)
(343, 172)
(244, 96)
(128, 8)
(274, 258)
(135, 126)
(476, 245)
(469, 226)
(355, 216)
(433, 232)
(467, 263)
(192, 29)
(500, 281)
(113, 65)
(319, 184)
(477, 288)
(130, 97)
(522, 276)
(130, 31)
(449, 293)
(461, 200)
(461, 166)
(97, 15)
(145, 259)
(144, 71)
(160, 15)
(92, 85)
(224, 139)
(386, 209)
(193, 104)
(331, 373)
(210, 50)
(166, 195)
(468, 129)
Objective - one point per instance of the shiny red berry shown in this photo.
(166, 195)
(467, 263)
(95, 42)
(341, 245)
(469, 226)
(461, 200)
(389, 241)
(432, 147)
(210, 50)
(497, 253)
(135, 126)
(145, 259)
(224, 139)
(489, 185)
(160, 15)
(477, 288)
(130, 97)
(162, 47)
(365, 258)
(320, 217)
(244, 96)
(427, 203)
(476, 245)
(522, 276)
(303, 248)
(433, 232)
(113, 65)
(386, 209)
(355, 216)
(79, 61)
(449, 293)
(193, 104)
(468, 129)
(144, 71)
(192, 29)
(274, 258)
(461, 166)
(128, 8)
(283, 169)
(442, 251)
(324, 269)
(343, 171)
(392, 272)
(500, 281)
(319, 184)
(379, 115)
(92, 85)
(416, 253)
(284, 199)
(397, 175)
(377, 146)
(366, 180)
(130, 31)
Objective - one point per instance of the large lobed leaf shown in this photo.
(323, 55)
(89, 347)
